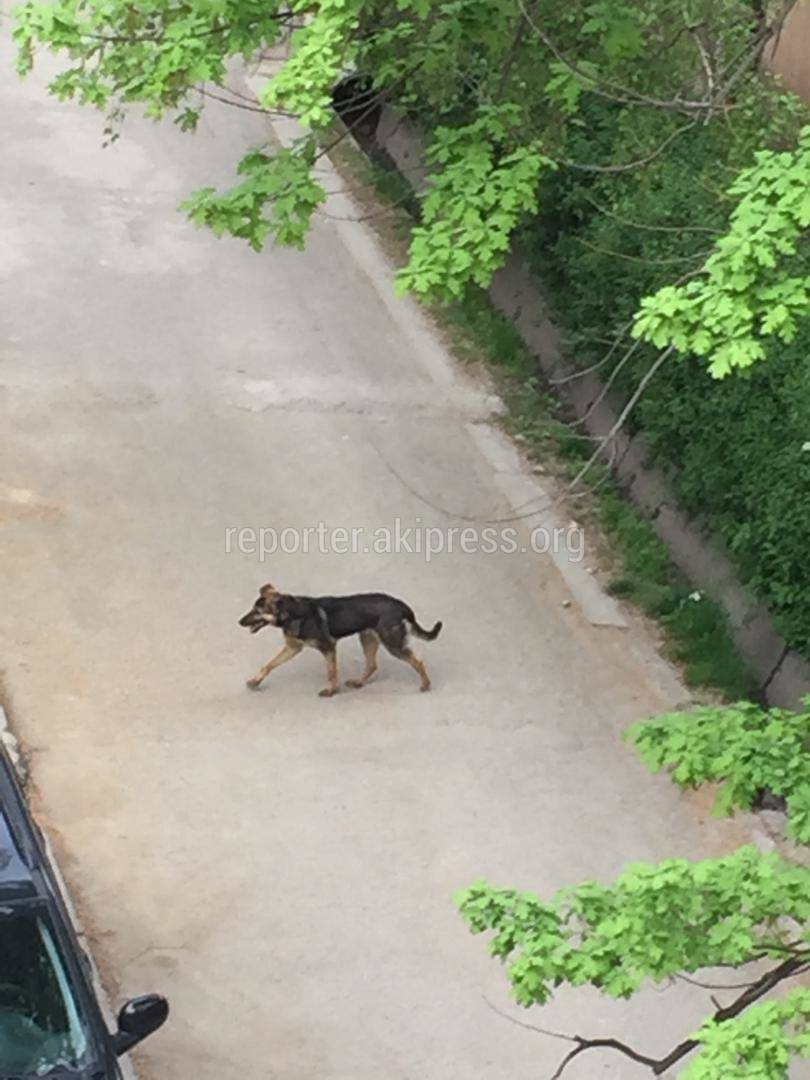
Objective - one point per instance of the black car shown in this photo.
(50, 1020)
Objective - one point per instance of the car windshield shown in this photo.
(41, 1031)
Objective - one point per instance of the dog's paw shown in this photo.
(355, 684)
(425, 687)
(327, 692)
(253, 684)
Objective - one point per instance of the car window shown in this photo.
(41, 1028)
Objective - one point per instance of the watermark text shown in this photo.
(425, 541)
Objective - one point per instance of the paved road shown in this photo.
(280, 865)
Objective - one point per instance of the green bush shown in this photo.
(738, 451)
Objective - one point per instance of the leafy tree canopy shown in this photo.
(747, 750)
(501, 85)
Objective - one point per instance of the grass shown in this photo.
(694, 626)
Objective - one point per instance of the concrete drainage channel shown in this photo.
(393, 143)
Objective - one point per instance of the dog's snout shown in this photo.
(257, 618)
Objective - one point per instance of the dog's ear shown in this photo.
(267, 592)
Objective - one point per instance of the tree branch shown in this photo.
(638, 164)
(529, 1027)
(694, 33)
(511, 56)
(642, 386)
(613, 346)
(746, 60)
(136, 39)
(240, 104)
(753, 992)
(713, 986)
(605, 390)
(648, 227)
(595, 1044)
(762, 986)
(609, 90)
(647, 260)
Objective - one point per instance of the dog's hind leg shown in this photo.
(396, 642)
(371, 644)
(291, 649)
(418, 666)
(331, 673)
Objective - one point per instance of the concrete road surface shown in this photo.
(282, 866)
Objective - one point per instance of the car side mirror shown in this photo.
(138, 1018)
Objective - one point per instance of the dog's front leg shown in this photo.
(291, 649)
(330, 656)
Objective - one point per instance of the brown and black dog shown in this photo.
(320, 621)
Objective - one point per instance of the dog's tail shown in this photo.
(425, 635)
